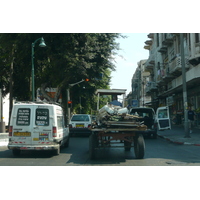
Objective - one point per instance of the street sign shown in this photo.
(134, 102)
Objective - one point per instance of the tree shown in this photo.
(67, 58)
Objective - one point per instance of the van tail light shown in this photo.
(70, 125)
(54, 132)
(10, 130)
(89, 125)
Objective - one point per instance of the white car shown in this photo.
(80, 124)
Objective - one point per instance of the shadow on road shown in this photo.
(158, 152)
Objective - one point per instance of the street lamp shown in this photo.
(42, 44)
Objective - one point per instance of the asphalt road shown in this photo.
(158, 152)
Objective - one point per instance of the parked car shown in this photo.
(154, 121)
(37, 126)
(146, 115)
(80, 124)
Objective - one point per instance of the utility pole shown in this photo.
(68, 97)
(185, 102)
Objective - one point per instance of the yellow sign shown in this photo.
(20, 134)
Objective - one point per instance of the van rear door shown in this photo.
(42, 125)
(163, 119)
(22, 118)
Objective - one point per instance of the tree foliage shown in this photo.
(67, 58)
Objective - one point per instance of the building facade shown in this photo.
(163, 73)
(139, 83)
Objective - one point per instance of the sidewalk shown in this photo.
(177, 135)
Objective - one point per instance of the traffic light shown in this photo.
(69, 104)
(87, 79)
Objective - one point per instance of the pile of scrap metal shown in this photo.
(116, 116)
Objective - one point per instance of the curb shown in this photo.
(177, 142)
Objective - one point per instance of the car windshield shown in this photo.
(80, 118)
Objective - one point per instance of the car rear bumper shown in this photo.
(33, 147)
(79, 130)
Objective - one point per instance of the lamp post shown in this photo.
(42, 44)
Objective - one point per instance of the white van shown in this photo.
(37, 126)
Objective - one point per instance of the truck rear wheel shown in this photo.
(139, 146)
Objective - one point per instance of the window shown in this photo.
(23, 116)
(60, 122)
(42, 117)
(162, 113)
(80, 118)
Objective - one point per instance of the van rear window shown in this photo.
(23, 116)
(42, 117)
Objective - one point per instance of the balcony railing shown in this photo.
(164, 74)
(175, 67)
(151, 35)
(168, 39)
(150, 87)
(163, 49)
(150, 63)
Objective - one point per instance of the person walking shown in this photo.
(191, 118)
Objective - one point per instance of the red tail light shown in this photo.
(89, 125)
(155, 125)
(10, 130)
(54, 131)
(70, 126)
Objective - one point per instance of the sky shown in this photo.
(132, 52)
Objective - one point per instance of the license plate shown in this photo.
(26, 134)
(79, 125)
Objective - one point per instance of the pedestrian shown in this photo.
(191, 118)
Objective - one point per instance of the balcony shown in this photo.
(148, 42)
(195, 59)
(149, 65)
(166, 74)
(168, 40)
(147, 47)
(161, 82)
(151, 35)
(150, 87)
(163, 49)
(175, 66)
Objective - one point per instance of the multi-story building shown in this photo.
(164, 66)
(139, 83)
